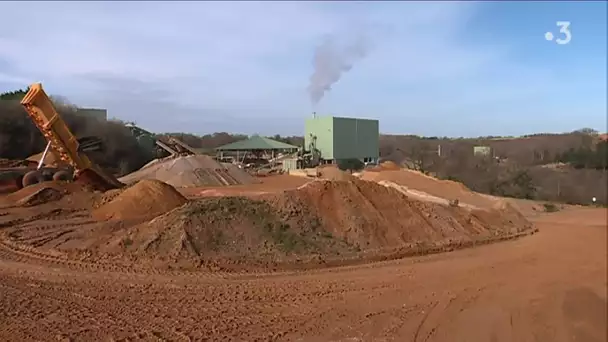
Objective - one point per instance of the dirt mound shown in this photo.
(384, 166)
(147, 198)
(49, 159)
(41, 193)
(440, 188)
(191, 171)
(370, 215)
(331, 172)
(238, 229)
(322, 220)
(389, 165)
(107, 197)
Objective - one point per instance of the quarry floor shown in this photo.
(550, 286)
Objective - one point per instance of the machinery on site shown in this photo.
(176, 147)
(28, 174)
(66, 149)
(171, 145)
(43, 166)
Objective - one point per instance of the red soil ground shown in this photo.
(547, 287)
(270, 184)
(550, 286)
(322, 222)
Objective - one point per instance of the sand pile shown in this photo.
(440, 188)
(49, 159)
(242, 230)
(322, 219)
(370, 215)
(389, 165)
(147, 198)
(384, 166)
(41, 193)
(40, 196)
(332, 172)
(191, 171)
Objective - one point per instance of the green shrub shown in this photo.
(550, 207)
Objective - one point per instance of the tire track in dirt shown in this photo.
(30, 216)
(493, 292)
(11, 251)
(425, 315)
(258, 304)
(443, 311)
(101, 314)
(231, 298)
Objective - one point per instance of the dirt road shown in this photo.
(550, 286)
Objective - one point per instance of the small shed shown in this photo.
(289, 164)
(482, 151)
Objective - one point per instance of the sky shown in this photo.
(457, 69)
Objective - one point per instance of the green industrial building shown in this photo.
(339, 138)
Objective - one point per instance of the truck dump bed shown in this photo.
(64, 144)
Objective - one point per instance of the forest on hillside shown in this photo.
(570, 167)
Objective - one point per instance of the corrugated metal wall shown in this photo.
(343, 138)
(290, 164)
(322, 129)
(356, 138)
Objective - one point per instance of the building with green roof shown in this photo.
(257, 147)
(257, 143)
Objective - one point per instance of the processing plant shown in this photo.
(327, 140)
(339, 138)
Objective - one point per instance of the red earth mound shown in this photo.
(440, 188)
(389, 165)
(227, 231)
(41, 193)
(191, 171)
(384, 166)
(331, 172)
(370, 215)
(323, 219)
(147, 198)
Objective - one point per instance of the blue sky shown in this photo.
(430, 68)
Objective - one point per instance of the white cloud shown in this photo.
(213, 64)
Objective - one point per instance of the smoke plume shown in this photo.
(331, 60)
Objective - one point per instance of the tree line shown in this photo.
(20, 138)
(568, 167)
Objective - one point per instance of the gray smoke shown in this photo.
(330, 61)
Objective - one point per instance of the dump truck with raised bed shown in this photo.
(20, 173)
(63, 144)
(29, 172)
